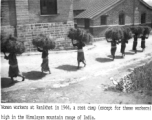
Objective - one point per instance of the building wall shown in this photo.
(113, 15)
(26, 18)
(64, 9)
(57, 30)
(8, 20)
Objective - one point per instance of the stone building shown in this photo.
(28, 18)
(97, 15)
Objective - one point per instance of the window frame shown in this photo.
(143, 15)
(121, 19)
(48, 11)
(103, 20)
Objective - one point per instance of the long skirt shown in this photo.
(143, 44)
(45, 65)
(13, 71)
(80, 56)
(113, 50)
(123, 48)
(134, 45)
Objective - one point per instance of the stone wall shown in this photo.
(7, 30)
(5, 13)
(24, 15)
(140, 78)
(64, 12)
(57, 30)
(22, 11)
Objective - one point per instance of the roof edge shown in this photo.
(146, 4)
(107, 9)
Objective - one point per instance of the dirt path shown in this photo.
(66, 84)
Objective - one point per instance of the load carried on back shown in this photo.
(79, 35)
(44, 41)
(11, 44)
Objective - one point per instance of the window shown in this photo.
(103, 20)
(48, 7)
(121, 19)
(143, 18)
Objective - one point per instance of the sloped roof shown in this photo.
(146, 4)
(94, 7)
(82, 4)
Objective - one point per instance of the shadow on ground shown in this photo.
(139, 51)
(103, 60)
(6, 82)
(67, 67)
(34, 75)
(129, 53)
(116, 57)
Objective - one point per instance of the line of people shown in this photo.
(13, 63)
(123, 45)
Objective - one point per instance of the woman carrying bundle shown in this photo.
(13, 66)
(127, 34)
(123, 47)
(135, 42)
(143, 42)
(79, 38)
(80, 54)
(144, 36)
(113, 35)
(113, 48)
(137, 31)
(13, 46)
(45, 61)
(43, 44)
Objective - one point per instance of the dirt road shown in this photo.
(67, 84)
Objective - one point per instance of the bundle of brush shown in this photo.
(146, 31)
(79, 35)
(114, 34)
(127, 33)
(137, 30)
(43, 41)
(12, 44)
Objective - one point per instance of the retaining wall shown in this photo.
(139, 79)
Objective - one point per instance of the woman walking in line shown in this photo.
(135, 43)
(113, 48)
(143, 42)
(80, 53)
(45, 61)
(123, 47)
(13, 66)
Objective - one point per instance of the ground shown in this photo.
(67, 84)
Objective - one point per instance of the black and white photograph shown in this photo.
(76, 52)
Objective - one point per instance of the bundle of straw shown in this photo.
(44, 41)
(137, 30)
(12, 44)
(146, 31)
(114, 34)
(80, 35)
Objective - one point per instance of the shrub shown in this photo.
(44, 41)
(12, 44)
(114, 33)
